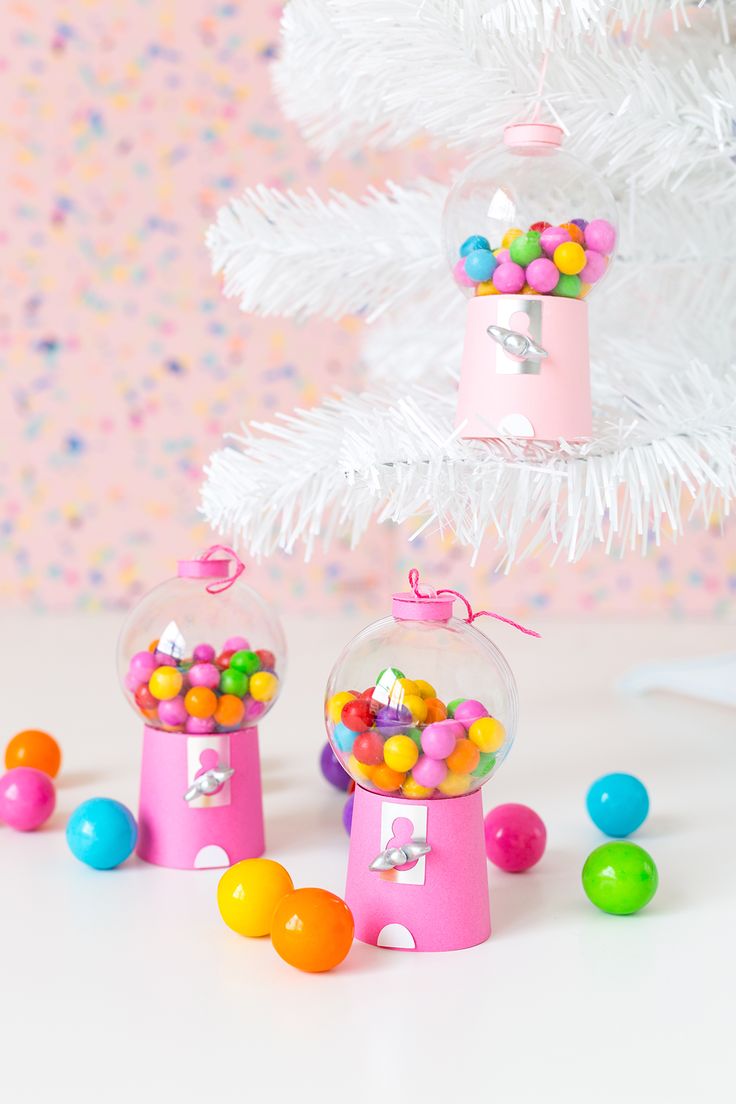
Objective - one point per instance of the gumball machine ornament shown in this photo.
(521, 251)
(201, 686)
(419, 751)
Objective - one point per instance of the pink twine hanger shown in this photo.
(223, 584)
(431, 593)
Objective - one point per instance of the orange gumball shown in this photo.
(436, 710)
(34, 748)
(229, 711)
(574, 231)
(465, 758)
(312, 930)
(200, 702)
(385, 778)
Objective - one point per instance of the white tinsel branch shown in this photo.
(658, 457)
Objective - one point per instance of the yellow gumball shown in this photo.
(165, 683)
(487, 734)
(400, 753)
(453, 785)
(584, 289)
(425, 689)
(263, 686)
(570, 258)
(408, 686)
(417, 707)
(359, 770)
(334, 706)
(528, 290)
(412, 789)
(487, 287)
(509, 236)
(248, 893)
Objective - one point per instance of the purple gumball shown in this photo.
(347, 813)
(392, 721)
(333, 769)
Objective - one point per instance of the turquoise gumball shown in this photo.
(343, 737)
(618, 804)
(101, 833)
(479, 265)
(475, 241)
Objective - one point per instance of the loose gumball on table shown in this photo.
(515, 837)
(620, 878)
(101, 833)
(618, 804)
(312, 930)
(248, 893)
(27, 798)
(34, 748)
(332, 769)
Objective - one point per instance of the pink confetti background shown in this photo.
(123, 127)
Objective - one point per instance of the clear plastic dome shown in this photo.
(529, 219)
(421, 709)
(202, 652)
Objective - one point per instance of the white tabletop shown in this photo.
(127, 986)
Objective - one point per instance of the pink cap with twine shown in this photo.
(429, 605)
(208, 568)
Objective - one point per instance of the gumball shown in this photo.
(436, 710)
(223, 660)
(165, 683)
(600, 236)
(439, 739)
(469, 710)
(200, 726)
(510, 236)
(475, 241)
(465, 757)
(253, 710)
(164, 659)
(543, 275)
(153, 645)
(34, 748)
(528, 290)
(385, 778)
(576, 234)
(248, 893)
(540, 227)
(312, 930)
(204, 674)
(357, 714)
(230, 711)
(570, 258)
(487, 733)
(429, 772)
(347, 813)
(584, 289)
(485, 766)
(408, 686)
(425, 689)
(343, 736)
(200, 702)
(368, 694)
(553, 237)
(101, 833)
(479, 265)
(388, 676)
(145, 700)
(334, 706)
(509, 278)
(27, 798)
(368, 749)
(233, 682)
(245, 661)
(361, 770)
(580, 223)
(595, 266)
(461, 276)
(526, 248)
(203, 653)
(400, 753)
(568, 286)
(263, 686)
(502, 256)
(417, 707)
(415, 734)
(455, 785)
(332, 769)
(142, 665)
(268, 659)
(487, 288)
(391, 721)
(620, 878)
(172, 712)
(452, 706)
(413, 790)
(618, 804)
(235, 644)
(515, 837)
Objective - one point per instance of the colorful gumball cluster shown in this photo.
(563, 260)
(399, 737)
(206, 692)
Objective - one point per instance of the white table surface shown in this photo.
(126, 986)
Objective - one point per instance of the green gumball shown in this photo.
(485, 766)
(233, 682)
(526, 248)
(453, 706)
(569, 286)
(247, 662)
(620, 878)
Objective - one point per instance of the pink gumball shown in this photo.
(142, 666)
(515, 837)
(461, 276)
(204, 674)
(439, 739)
(253, 709)
(552, 237)
(200, 726)
(163, 659)
(27, 798)
(469, 711)
(503, 256)
(132, 682)
(429, 772)
(595, 266)
(543, 275)
(204, 653)
(508, 278)
(600, 236)
(236, 644)
(172, 712)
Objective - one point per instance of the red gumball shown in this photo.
(357, 715)
(268, 659)
(368, 749)
(223, 660)
(144, 699)
(540, 226)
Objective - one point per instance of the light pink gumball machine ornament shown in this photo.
(201, 660)
(421, 710)
(529, 232)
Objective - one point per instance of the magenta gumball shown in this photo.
(503, 256)
(469, 711)
(253, 710)
(461, 276)
(600, 236)
(429, 772)
(142, 666)
(27, 798)
(236, 644)
(204, 674)
(203, 653)
(172, 712)
(439, 739)
(515, 837)
(508, 278)
(595, 266)
(543, 275)
(552, 237)
(200, 726)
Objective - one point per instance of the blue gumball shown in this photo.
(479, 264)
(343, 736)
(618, 804)
(475, 241)
(101, 833)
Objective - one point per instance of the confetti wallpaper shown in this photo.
(123, 127)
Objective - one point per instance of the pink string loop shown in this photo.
(414, 584)
(223, 584)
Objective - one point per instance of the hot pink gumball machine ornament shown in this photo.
(529, 233)
(421, 710)
(201, 660)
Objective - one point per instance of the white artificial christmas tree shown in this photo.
(646, 93)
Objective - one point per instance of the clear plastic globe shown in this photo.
(199, 660)
(531, 190)
(421, 709)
